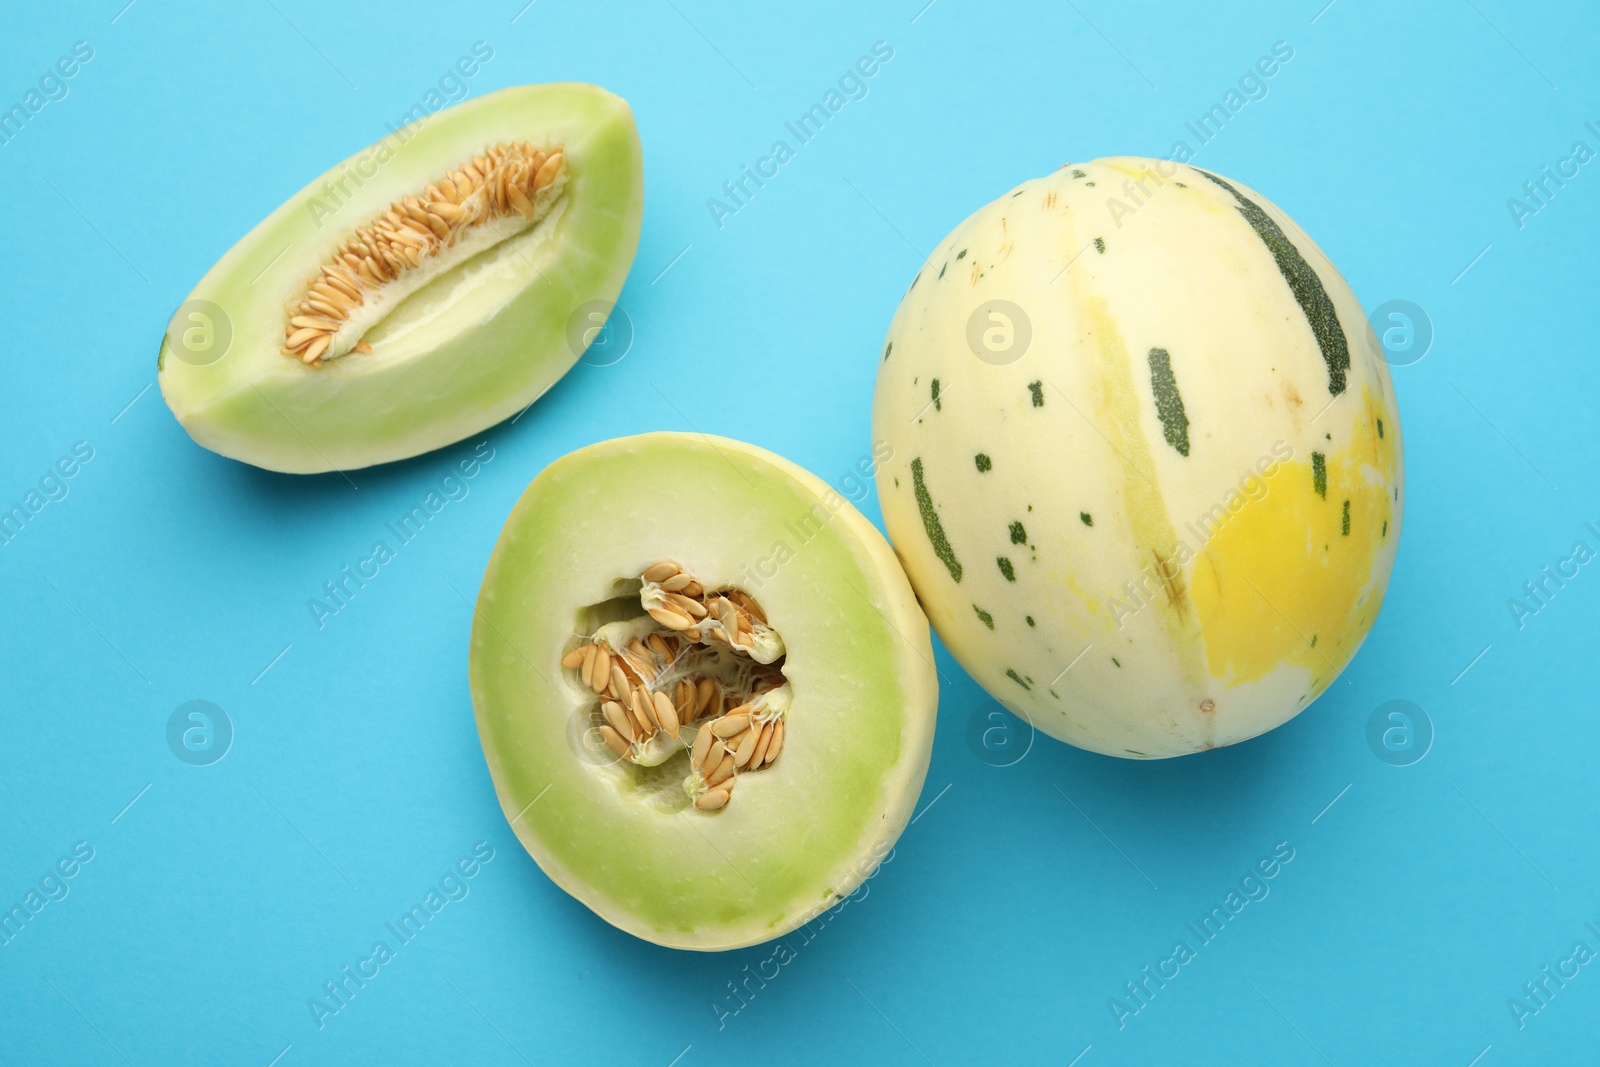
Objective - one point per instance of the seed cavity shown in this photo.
(489, 199)
(699, 672)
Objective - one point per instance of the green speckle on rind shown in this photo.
(984, 616)
(1088, 519)
(1006, 568)
(1037, 389)
(1169, 402)
(961, 254)
(890, 346)
(1319, 474)
(1380, 429)
(1030, 621)
(930, 522)
(983, 463)
(1019, 535)
(1015, 677)
(937, 404)
(1344, 522)
(1304, 284)
(1100, 245)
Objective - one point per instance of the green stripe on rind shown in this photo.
(1169, 402)
(1319, 474)
(931, 523)
(984, 616)
(1303, 283)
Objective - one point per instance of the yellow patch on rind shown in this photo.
(1283, 572)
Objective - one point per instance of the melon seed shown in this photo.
(513, 179)
(704, 650)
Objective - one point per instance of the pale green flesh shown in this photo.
(472, 348)
(797, 834)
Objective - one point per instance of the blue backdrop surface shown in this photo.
(1432, 872)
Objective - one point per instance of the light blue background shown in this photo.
(1023, 897)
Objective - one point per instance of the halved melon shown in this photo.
(704, 688)
(418, 292)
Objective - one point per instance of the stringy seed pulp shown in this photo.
(490, 199)
(698, 671)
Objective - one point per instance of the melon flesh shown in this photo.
(856, 654)
(480, 341)
(1165, 524)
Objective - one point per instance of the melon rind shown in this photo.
(478, 345)
(799, 834)
(1063, 467)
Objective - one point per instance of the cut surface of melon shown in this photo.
(418, 292)
(809, 631)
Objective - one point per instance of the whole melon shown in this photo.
(1146, 475)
